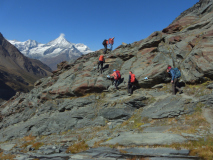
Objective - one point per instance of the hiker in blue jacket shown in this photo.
(174, 80)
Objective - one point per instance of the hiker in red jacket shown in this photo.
(117, 77)
(131, 83)
(111, 42)
(101, 62)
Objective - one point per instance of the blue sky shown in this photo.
(87, 21)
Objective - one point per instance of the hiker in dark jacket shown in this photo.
(174, 80)
(105, 43)
(131, 83)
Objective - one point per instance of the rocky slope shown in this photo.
(77, 109)
(53, 52)
(17, 72)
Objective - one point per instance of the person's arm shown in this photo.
(112, 75)
(172, 74)
(129, 79)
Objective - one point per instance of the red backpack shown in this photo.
(101, 58)
(118, 74)
(132, 78)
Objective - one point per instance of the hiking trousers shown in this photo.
(174, 86)
(101, 63)
(130, 88)
(116, 82)
(105, 49)
(111, 47)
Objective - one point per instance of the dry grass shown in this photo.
(197, 90)
(37, 145)
(122, 151)
(77, 147)
(190, 123)
(29, 138)
(135, 121)
(202, 148)
(97, 144)
(6, 156)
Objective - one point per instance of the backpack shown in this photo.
(118, 74)
(104, 42)
(177, 72)
(132, 78)
(101, 58)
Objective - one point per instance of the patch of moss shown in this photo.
(6, 156)
(77, 147)
(37, 145)
(202, 148)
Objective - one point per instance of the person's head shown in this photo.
(114, 70)
(130, 72)
(168, 68)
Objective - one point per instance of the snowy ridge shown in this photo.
(53, 52)
(33, 49)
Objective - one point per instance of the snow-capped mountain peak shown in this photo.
(60, 42)
(56, 50)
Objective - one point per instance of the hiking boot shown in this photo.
(129, 94)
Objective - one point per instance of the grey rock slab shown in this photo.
(158, 86)
(7, 147)
(92, 142)
(146, 139)
(164, 158)
(168, 107)
(191, 137)
(207, 113)
(157, 152)
(56, 156)
(22, 157)
(99, 121)
(207, 99)
(210, 86)
(136, 102)
(146, 125)
(114, 113)
(158, 129)
(102, 152)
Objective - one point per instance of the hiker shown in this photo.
(175, 73)
(101, 62)
(111, 42)
(131, 83)
(105, 43)
(117, 76)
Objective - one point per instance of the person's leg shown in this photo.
(110, 47)
(105, 50)
(128, 87)
(173, 88)
(116, 84)
(98, 64)
(131, 89)
(101, 62)
(177, 87)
